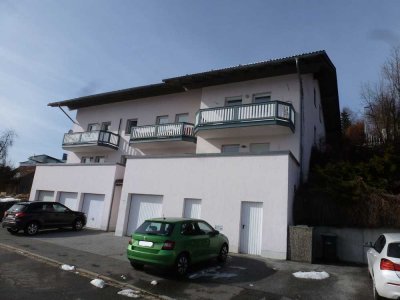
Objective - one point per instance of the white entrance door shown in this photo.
(93, 208)
(143, 207)
(46, 196)
(69, 200)
(192, 208)
(251, 228)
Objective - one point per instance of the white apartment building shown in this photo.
(229, 146)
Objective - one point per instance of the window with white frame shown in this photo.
(261, 98)
(87, 159)
(162, 120)
(99, 159)
(130, 124)
(231, 101)
(106, 126)
(93, 127)
(234, 148)
(181, 118)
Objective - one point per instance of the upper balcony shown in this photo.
(89, 141)
(270, 118)
(171, 135)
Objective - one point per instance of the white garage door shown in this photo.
(93, 205)
(69, 200)
(192, 208)
(46, 196)
(251, 228)
(143, 207)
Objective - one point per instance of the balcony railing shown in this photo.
(275, 112)
(97, 137)
(181, 131)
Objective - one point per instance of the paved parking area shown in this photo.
(242, 277)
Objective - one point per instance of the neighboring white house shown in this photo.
(229, 146)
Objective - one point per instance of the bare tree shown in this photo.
(6, 141)
(382, 101)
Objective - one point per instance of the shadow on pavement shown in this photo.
(236, 269)
(60, 233)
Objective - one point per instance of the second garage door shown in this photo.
(143, 207)
(69, 200)
(93, 206)
(46, 196)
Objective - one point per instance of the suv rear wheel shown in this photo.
(78, 225)
(31, 228)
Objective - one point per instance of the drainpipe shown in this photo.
(301, 116)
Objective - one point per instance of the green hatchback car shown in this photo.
(177, 243)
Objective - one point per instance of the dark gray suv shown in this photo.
(32, 216)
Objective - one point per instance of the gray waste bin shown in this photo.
(329, 247)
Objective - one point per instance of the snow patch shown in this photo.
(311, 275)
(154, 282)
(129, 293)
(98, 283)
(211, 272)
(123, 277)
(7, 199)
(68, 268)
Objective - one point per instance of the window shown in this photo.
(93, 127)
(231, 101)
(393, 250)
(106, 126)
(162, 120)
(380, 243)
(230, 148)
(261, 98)
(205, 228)
(188, 229)
(259, 148)
(99, 159)
(59, 208)
(155, 228)
(87, 160)
(129, 125)
(180, 118)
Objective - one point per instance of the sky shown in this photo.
(58, 50)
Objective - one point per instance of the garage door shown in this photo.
(192, 208)
(69, 200)
(143, 207)
(93, 206)
(251, 227)
(46, 196)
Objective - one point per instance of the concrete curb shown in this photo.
(83, 272)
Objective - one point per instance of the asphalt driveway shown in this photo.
(242, 277)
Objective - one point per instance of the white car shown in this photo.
(384, 266)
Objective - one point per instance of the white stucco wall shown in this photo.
(81, 179)
(145, 111)
(222, 183)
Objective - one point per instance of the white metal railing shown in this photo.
(162, 131)
(250, 112)
(91, 137)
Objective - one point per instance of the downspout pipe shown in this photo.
(301, 116)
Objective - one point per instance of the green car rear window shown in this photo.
(393, 250)
(155, 228)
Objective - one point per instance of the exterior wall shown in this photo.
(144, 110)
(283, 88)
(350, 241)
(220, 181)
(81, 179)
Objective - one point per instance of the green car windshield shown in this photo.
(155, 228)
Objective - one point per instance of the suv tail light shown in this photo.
(387, 264)
(20, 215)
(168, 245)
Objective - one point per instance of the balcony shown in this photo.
(171, 135)
(273, 117)
(90, 141)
